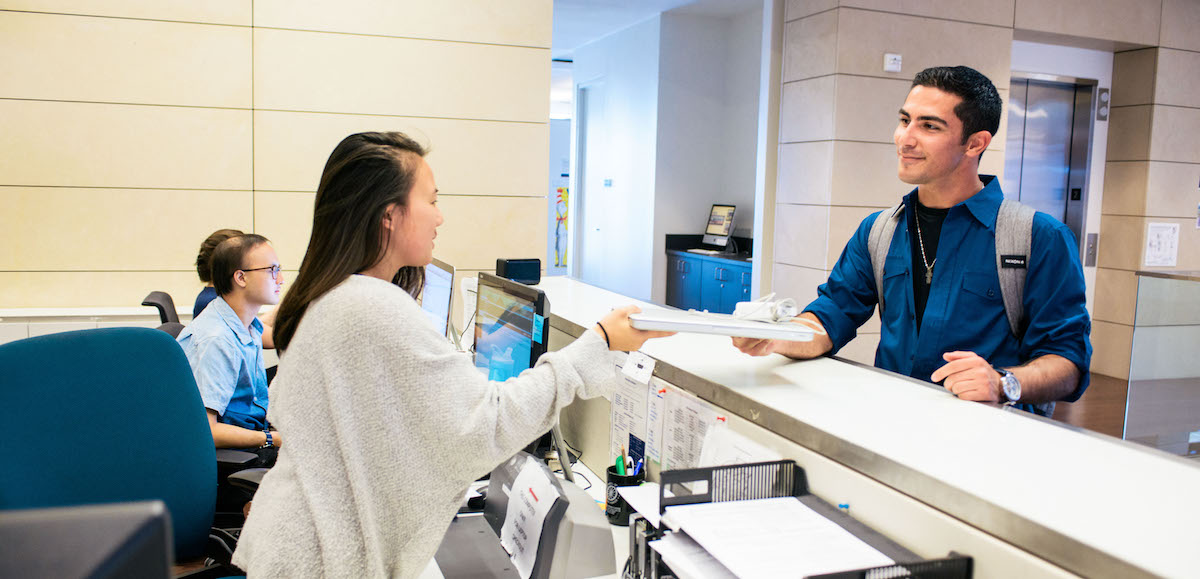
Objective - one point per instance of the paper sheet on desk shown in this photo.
(687, 559)
(772, 538)
(643, 499)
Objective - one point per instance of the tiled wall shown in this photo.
(130, 130)
(837, 162)
(1153, 173)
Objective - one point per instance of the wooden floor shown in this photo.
(1101, 408)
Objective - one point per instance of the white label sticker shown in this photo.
(639, 366)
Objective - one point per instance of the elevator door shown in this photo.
(1046, 153)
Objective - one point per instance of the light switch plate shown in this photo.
(892, 62)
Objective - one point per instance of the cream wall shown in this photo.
(131, 130)
(1153, 173)
(837, 114)
(837, 164)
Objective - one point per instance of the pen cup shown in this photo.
(616, 509)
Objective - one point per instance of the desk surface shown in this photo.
(1090, 503)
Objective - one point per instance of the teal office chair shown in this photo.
(102, 416)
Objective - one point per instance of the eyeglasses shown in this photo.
(272, 269)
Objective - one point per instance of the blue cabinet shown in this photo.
(703, 282)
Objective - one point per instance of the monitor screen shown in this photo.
(438, 294)
(510, 327)
(720, 220)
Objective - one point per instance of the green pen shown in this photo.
(620, 464)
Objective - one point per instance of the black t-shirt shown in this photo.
(930, 231)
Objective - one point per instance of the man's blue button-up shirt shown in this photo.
(227, 361)
(965, 310)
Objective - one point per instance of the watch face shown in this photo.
(1012, 388)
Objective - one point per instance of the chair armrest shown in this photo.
(228, 456)
(248, 479)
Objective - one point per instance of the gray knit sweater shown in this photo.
(384, 425)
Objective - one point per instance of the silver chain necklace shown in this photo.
(921, 243)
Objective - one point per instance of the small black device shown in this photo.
(526, 271)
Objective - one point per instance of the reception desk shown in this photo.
(1025, 496)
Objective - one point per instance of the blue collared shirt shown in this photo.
(965, 310)
(227, 361)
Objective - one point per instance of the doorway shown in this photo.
(1047, 152)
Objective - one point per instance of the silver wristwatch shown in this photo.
(1009, 385)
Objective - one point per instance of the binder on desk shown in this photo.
(768, 483)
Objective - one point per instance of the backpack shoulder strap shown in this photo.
(879, 241)
(1014, 238)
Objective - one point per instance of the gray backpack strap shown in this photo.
(878, 243)
(1014, 238)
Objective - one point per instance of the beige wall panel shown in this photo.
(223, 12)
(100, 145)
(801, 8)
(1133, 21)
(843, 222)
(1116, 294)
(806, 113)
(113, 229)
(1122, 246)
(798, 283)
(992, 162)
(866, 108)
(924, 42)
(1180, 21)
(468, 157)
(864, 174)
(801, 235)
(1125, 188)
(518, 22)
(314, 71)
(1112, 345)
(480, 229)
(286, 219)
(1176, 134)
(54, 289)
(804, 173)
(1129, 133)
(810, 46)
(127, 61)
(1133, 77)
(1171, 189)
(1178, 80)
(998, 13)
(861, 349)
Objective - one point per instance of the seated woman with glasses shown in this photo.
(224, 345)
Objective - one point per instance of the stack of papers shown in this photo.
(764, 538)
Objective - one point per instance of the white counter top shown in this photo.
(1003, 471)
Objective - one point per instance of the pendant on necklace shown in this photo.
(929, 276)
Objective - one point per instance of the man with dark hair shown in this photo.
(224, 343)
(992, 326)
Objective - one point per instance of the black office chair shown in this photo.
(166, 308)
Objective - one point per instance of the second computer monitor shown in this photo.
(720, 225)
(438, 294)
(511, 324)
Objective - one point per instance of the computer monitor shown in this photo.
(511, 325)
(438, 294)
(720, 225)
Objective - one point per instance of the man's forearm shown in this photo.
(818, 346)
(1046, 378)
(230, 436)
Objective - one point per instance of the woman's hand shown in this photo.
(622, 336)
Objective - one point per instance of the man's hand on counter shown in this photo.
(819, 345)
(968, 376)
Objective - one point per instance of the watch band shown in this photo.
(269, 443)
